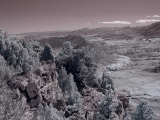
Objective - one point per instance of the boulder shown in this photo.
(157, 69)
(39, 71)
(102, 90)
(113, 116)
(23, 85)
(47, 92)
(124, 100)
(13, 83)
(120, 109)
(36, 101)
(32, 90)
(60, 105)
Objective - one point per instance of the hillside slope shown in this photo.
(151, 31)
(57, 42)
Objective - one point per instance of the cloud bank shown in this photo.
(147, 21)
(116, 22)
(154, 16)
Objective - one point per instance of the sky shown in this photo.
(20, 16)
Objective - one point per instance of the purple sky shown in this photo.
(19, 16)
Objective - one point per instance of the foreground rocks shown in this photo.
(41, 87)
(38, 87)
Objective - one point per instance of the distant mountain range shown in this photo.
(150, 31)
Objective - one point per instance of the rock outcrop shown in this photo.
(40, 86)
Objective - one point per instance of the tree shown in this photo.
(106, 106)
(74, 96)
(2, 61)
(47, 113)
(70, 92)
(47, 53)
(5, 71)
(143, 112)
(62, 78)
(26, 68)
(11, 108)
(19, 53)
(68, 86)
(67, 48)
(79, 64)
(107, 82)
(2, 67)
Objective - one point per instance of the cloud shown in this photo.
(147, 20)
(156, 16)
(116, 22)
(87, 23)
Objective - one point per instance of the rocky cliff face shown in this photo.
(41, 87)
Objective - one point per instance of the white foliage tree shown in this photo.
(47, 113)
(19, 53)
(143, 112)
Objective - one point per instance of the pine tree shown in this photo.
(67, 48)
(143, 112)
(62, 78)
(47, 53)
(68, 86)
(106, 106)
(47, 113)
(74, 96)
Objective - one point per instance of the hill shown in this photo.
(57, 42)
(149, 31)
